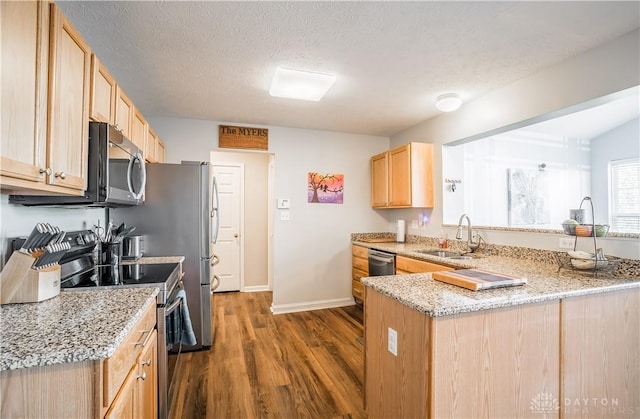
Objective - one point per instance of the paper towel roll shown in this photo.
(400, 231)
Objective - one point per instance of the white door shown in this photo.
(228, 247)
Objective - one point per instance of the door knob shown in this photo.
(236, 235)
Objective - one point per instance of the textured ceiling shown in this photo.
(215, 60)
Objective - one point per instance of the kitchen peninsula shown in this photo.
(69, 356)
(565, 344)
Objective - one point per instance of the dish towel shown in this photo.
(188, 336)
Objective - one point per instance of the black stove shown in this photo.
(163, 275)
(78, 270)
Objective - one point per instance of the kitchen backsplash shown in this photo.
(16, 220)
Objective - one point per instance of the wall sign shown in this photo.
(243, 137)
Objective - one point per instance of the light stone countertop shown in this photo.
(435, 298)
(71, 327)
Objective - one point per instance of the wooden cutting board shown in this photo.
(478, 279)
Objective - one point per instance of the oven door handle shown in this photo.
(172, 307)
(381, 259)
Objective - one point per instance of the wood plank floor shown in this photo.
(298, 365)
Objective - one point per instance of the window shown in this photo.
(624, 190)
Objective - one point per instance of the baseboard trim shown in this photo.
(256, 288)
(311, 305)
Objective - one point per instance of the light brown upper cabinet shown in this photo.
(160, 151)
(24, 56)
(102, 104)
(69, 73)
(151, 146)
(45, 94)
(139, 130)
(124, 112)
(154, 149)
(403, 177)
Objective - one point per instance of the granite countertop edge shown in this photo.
(70, 342)
(425, 307)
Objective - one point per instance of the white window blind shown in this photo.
(624, 189)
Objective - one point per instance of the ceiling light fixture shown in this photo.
(448, 102)
(298, 84)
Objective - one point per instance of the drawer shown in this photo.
(418, 266)
(357, 289)
(358, 273)
(117, 367)
(359, 251)
(361, 264)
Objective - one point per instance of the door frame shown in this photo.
(269, 208)
(239, 165)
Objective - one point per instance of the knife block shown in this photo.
(19, 283)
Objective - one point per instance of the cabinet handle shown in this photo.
(46, 171)
(143, 376)
(357, 291)
(61, 175)
(147, 362)
(144, 341)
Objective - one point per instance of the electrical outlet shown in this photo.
(393, 342)
(566, 243)
(285, 216)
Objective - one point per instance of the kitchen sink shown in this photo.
(440, 253)
(451, 255)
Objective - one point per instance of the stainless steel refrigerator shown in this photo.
(175, 220)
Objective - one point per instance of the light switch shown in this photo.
(285, 216)
(283, 203)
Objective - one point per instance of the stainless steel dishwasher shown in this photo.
(381, 263)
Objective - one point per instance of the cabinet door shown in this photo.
(160, 151)
(139, 133)
(400, 176)
(24, 57)
(147, 397)
(379, 180)
(123, 406)
(68, 141)
(102, 104)
(124, 112)
(150, 146)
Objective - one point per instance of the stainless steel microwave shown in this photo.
(116, 174)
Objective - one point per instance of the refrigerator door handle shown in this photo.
(215, 283)
(214, 210)
(214, 260)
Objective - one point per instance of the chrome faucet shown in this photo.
(470, 243)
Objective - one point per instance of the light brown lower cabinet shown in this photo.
(110, 388)
(574, 357)
(359, 269)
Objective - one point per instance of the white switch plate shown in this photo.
(285, 216)
(393, 342)
(566, 243)
(283, 203)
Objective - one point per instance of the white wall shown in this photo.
(601, 71)
(16, 220)
(312, 254)
(622, 142)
